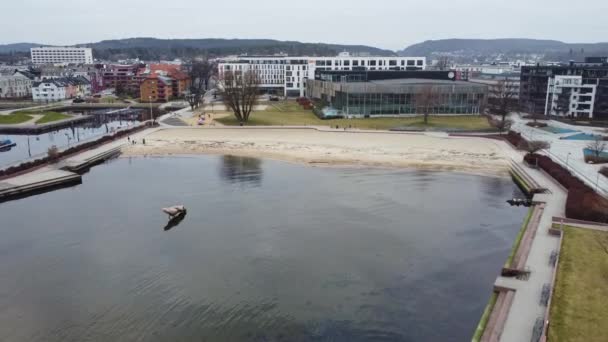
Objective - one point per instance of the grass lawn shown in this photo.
(290, 113)
(52, 116)
(481, 327)
(579, 310)
(14, 118)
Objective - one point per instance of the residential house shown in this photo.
(156, 88)
(58, 89)
(16, 86)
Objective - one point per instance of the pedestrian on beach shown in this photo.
(143, 141)
(129, 139)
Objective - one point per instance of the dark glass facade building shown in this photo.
(396, 93)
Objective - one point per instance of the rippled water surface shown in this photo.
(268, 251)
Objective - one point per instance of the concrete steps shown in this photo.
(78, 164)
(498, 316)
(521, 256)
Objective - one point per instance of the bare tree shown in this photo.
(428, 98)
(502, 125)
(239, 92)
(502, 97)
(534, 146)
(200, 73)
(597, 146)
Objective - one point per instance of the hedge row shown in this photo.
(514, 138)
(72, 150)
(583, 203)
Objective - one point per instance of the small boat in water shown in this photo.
(174, 211)
(6, 145)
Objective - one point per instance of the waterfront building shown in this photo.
(57, 55)
(156, 88)
(123, 78)
(394, 93)
(15, 86)
(58, 89)
(287, 76)
(541, 85)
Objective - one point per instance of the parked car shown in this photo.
(78, 100)
(274, 98)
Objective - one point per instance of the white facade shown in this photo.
(16, 86)
(57, 55)
(288, 75)
(571, 92)
(48, 91)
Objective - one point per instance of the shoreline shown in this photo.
(470, 155)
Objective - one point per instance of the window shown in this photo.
(410, 62)
(419, 62)
(372, 63)
(347, 63)
(355, 63)
(392, 62)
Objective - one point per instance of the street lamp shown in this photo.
(150, 102)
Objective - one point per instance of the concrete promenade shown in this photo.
(527, 307)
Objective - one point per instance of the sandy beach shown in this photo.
(328, 148)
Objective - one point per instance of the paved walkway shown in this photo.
(568, 153)
(526, 307)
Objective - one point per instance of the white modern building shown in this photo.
(57, 55)
(15, 86)
(568, 96)
(287, 76)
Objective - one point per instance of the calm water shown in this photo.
(268, 251)
(39, 144)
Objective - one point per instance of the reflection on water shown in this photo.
(309, 254)
(245, 170)
(175, 221)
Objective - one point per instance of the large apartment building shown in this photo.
(57, 55)
(287, 76)
(584, 86)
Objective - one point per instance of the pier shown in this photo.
(64, 173)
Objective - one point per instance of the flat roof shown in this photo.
(414, 81)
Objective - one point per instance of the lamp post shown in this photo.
(150, 102)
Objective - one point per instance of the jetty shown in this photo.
(64, 173)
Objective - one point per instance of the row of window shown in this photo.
(371, 62)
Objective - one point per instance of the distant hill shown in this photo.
(18, 47)
(551, 49)
(153, 49)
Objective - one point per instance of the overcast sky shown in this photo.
(391, 24)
